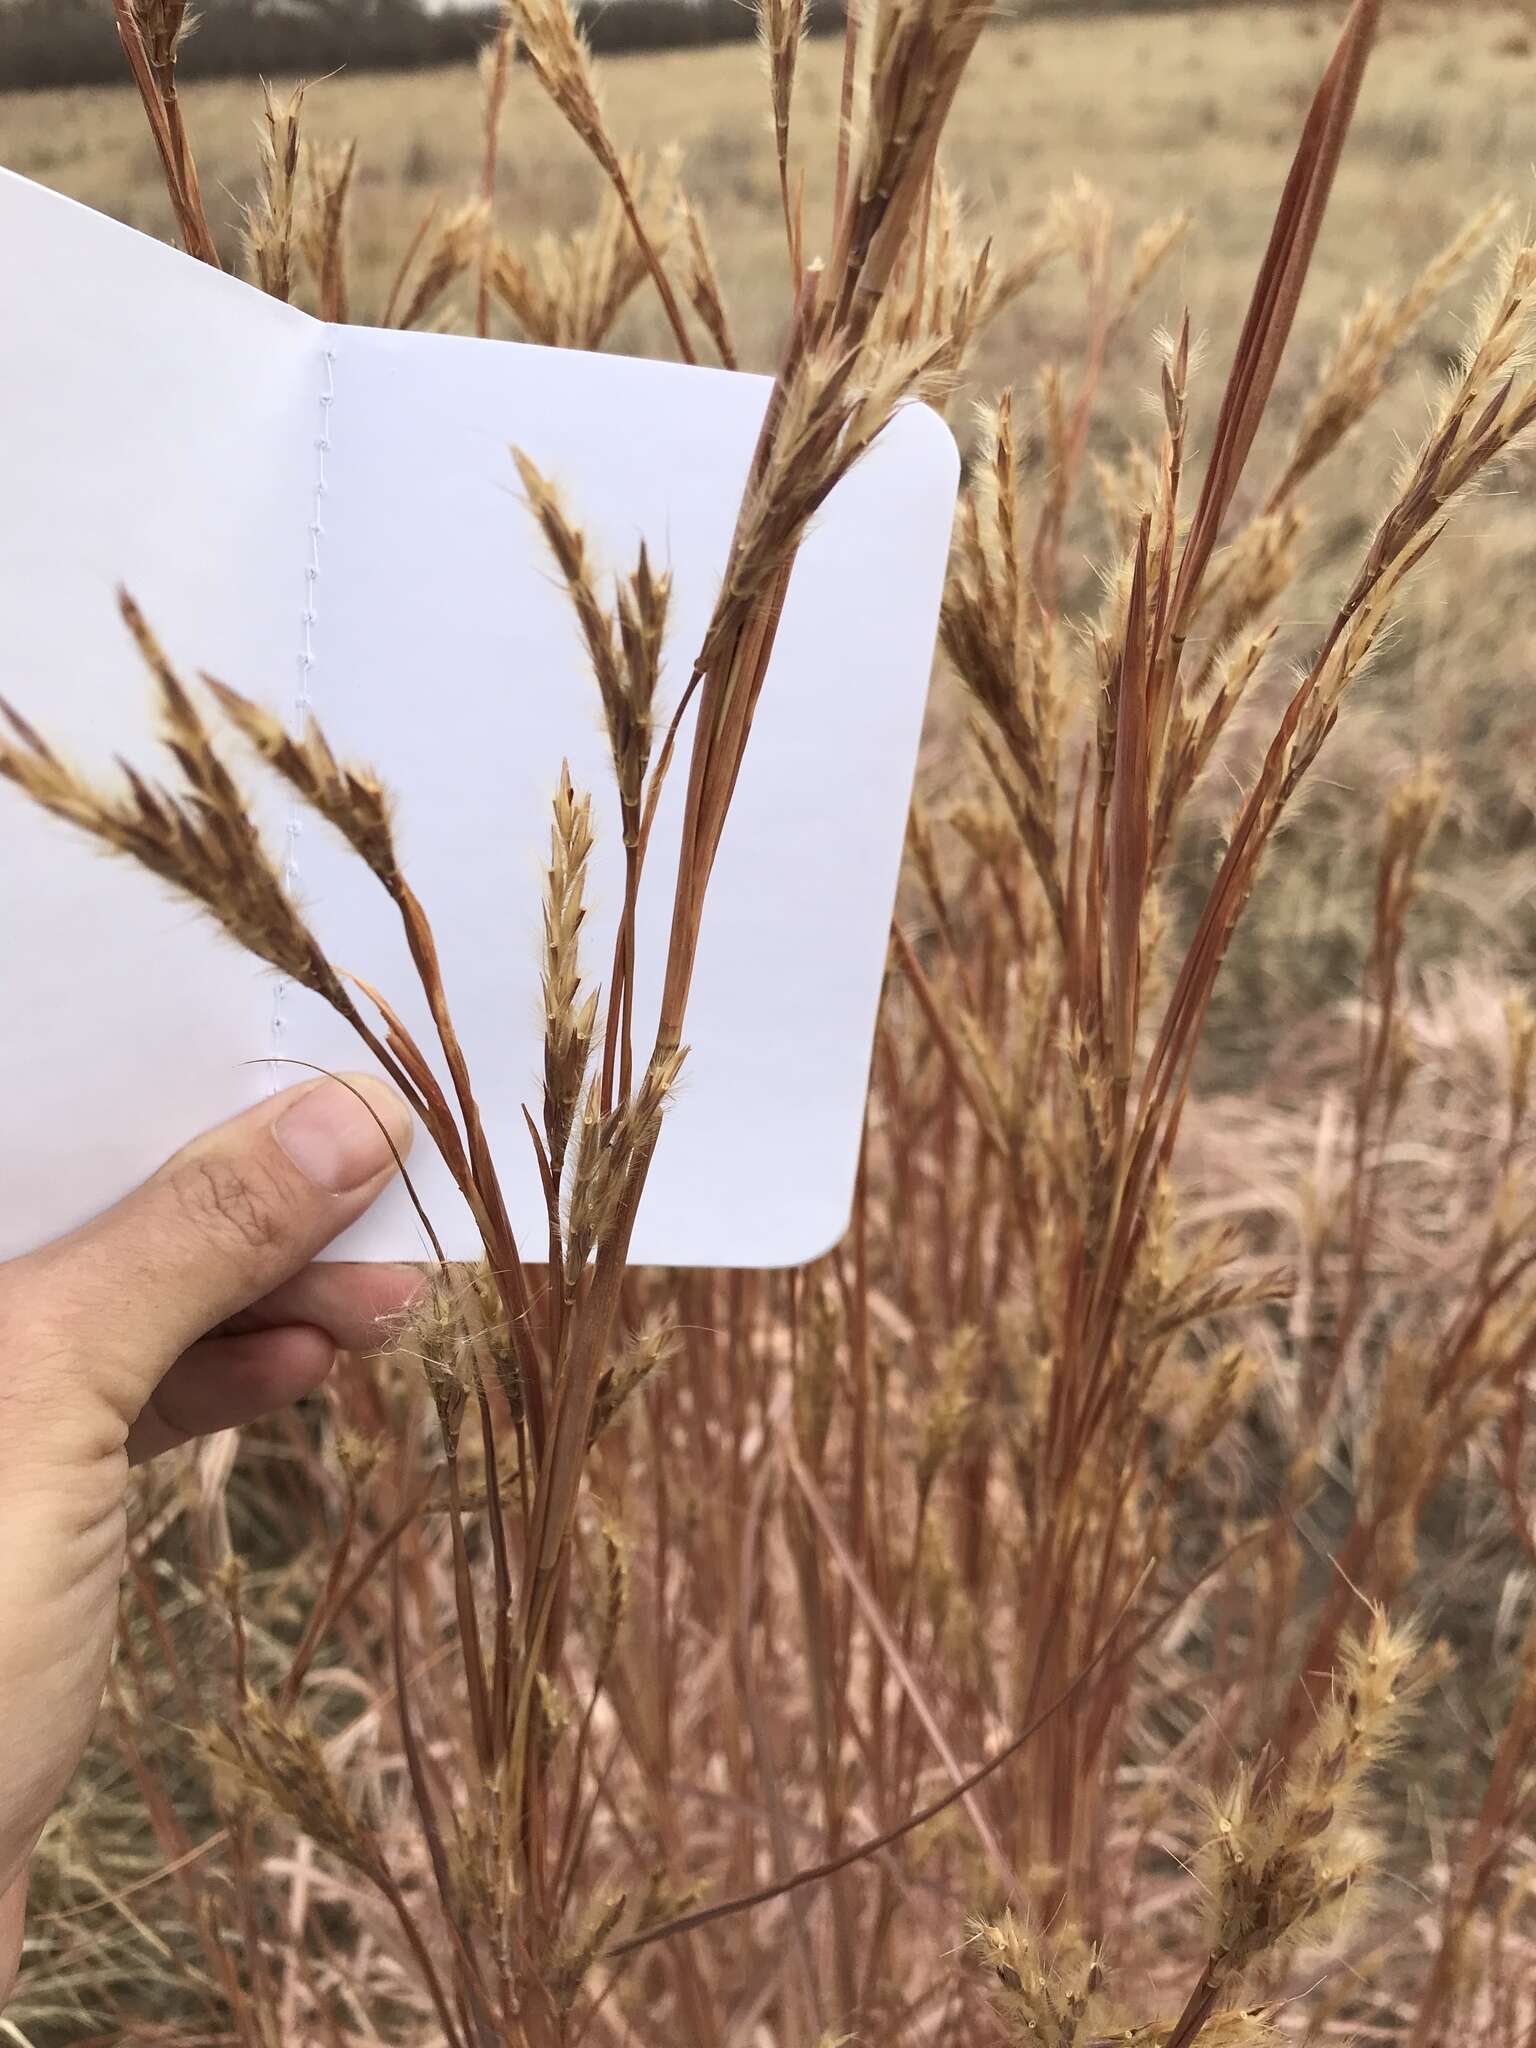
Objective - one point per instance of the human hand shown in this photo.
(192, 1307)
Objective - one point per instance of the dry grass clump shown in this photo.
(628, 1654)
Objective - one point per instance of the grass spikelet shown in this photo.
(271, 223)
(448, 254)
(569, 291)
(435, 1333)
(951, 288)
(1048, 1992)
(569, 1019)
(951, 1410)
(780, 27)
(1369, 344)
(624, 646)
(558, 54)
(279, 1763)
(200, 840)
(349, 798)
(611, 1149)
(574, 1959)
(647, 1353)
(1287, 1856)
(322, 226)
(703, 285)
(836, 406)
(151, 33)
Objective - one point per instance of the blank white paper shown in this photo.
(442, 650)
(155, 431)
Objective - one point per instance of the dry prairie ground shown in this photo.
(1196, 109)
(1160, 112)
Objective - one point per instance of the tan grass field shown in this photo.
(1245, 1373)
(1158, 112)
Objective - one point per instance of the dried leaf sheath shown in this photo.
(1276, 296)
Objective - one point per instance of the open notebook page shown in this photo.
(156, 430)
(448, 654)
(440, 647)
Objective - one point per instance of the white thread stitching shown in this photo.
(303, 699)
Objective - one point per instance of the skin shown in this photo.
(192, 1307)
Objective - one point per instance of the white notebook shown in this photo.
(303, 509)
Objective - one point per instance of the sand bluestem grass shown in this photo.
(918, 1591)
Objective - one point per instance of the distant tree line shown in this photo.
(74, 42)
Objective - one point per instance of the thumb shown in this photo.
(231, 1218)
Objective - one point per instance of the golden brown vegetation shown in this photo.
(1017, 1628)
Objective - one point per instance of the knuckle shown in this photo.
(237, 1207)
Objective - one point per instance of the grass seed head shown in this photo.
(570, 1020)
(199, 839)
(451, 250)
(436, 1331)
(271, 222)
(277, 1762)
(558, 54)
(350, 798)
(569, 289)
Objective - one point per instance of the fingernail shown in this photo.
(334, 1137)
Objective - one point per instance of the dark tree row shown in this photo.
(73, 42)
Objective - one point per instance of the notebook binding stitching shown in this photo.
(303, 699)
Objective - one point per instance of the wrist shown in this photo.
(13, 1909)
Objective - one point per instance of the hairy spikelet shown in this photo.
(348, 797)
(816, 1382)
(449, 251)
(650, 1350)
(920, 49)
(199, 839)
(570, 1019)
(576, 1955)
(950, 1412)
(702, 281)
(610, 1149)
(360, 1458)
(1370, 342)
(951, 289)
(624, 644)
(1049, 1992)
(556, 49)
(279, 1763)
(486, 1291)
(1002, 650)
(569, 290)
(322, 226)
(1227, 1384)
(835, 407)
(164, 25)
(271, 223)
(1286, 1857)
(436, 1332)
(780, 26)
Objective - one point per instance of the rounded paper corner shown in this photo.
(931, 435)
(824, 1230)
